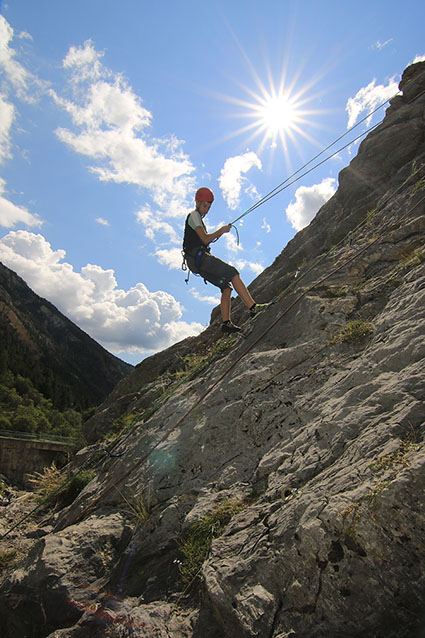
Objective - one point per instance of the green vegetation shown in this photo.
(75, 486)
(196, 545)
(417, 187)
(393, 459)
(415, 258)
(191, 362)
(386, 467)
(336, 292)
(196, 362)
(393, 282)
(48, 482)
(358, 286)
(391, 464)
(17, 360)
(351, 516)
(24, 409)
(2, 487)
(53, 484)
(139, 506)
(373, 494)
(119, 427)
(354, 331)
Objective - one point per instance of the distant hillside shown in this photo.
(40, 343)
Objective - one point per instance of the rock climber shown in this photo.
(200, 261)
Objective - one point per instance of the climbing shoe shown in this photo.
(229, 327)
(257, 308)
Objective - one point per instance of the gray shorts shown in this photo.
(214, 270)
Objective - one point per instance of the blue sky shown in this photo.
(112, 114)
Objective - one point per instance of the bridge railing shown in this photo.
(53, 438)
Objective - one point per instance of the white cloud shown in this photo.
(154, 226)
(208, 299)
(7, 113)
(24, 35)
(23, 82)
(265, 226)
(136, 320)
(111, 127)
(171, 257)
(381, 45)
(369, 98)
(308, 200)
(15, 72)
(15, 79)
(231, 242)
(84, 62)
(255, 267)
(418, 58)
(10, 214)
(231, 177)
(102, 221)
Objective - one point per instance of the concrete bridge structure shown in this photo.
(22, 454)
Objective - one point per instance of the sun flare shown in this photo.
(279, 111)
(278, 118)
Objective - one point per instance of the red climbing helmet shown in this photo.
(204, 195)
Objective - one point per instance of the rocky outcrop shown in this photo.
(279, 489)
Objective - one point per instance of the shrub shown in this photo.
(119, 426)
(47, 482)
(53, 484)
(417, 257)
(336, 292)
(76, 485)
(4, 423)
(354, 331)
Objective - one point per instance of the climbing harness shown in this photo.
(198, 256)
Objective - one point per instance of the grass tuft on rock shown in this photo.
(196, 544)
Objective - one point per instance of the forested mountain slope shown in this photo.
(40, 343)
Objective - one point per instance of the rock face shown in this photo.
(310, 431)
(39, 342)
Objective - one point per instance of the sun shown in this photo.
(277, 114)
